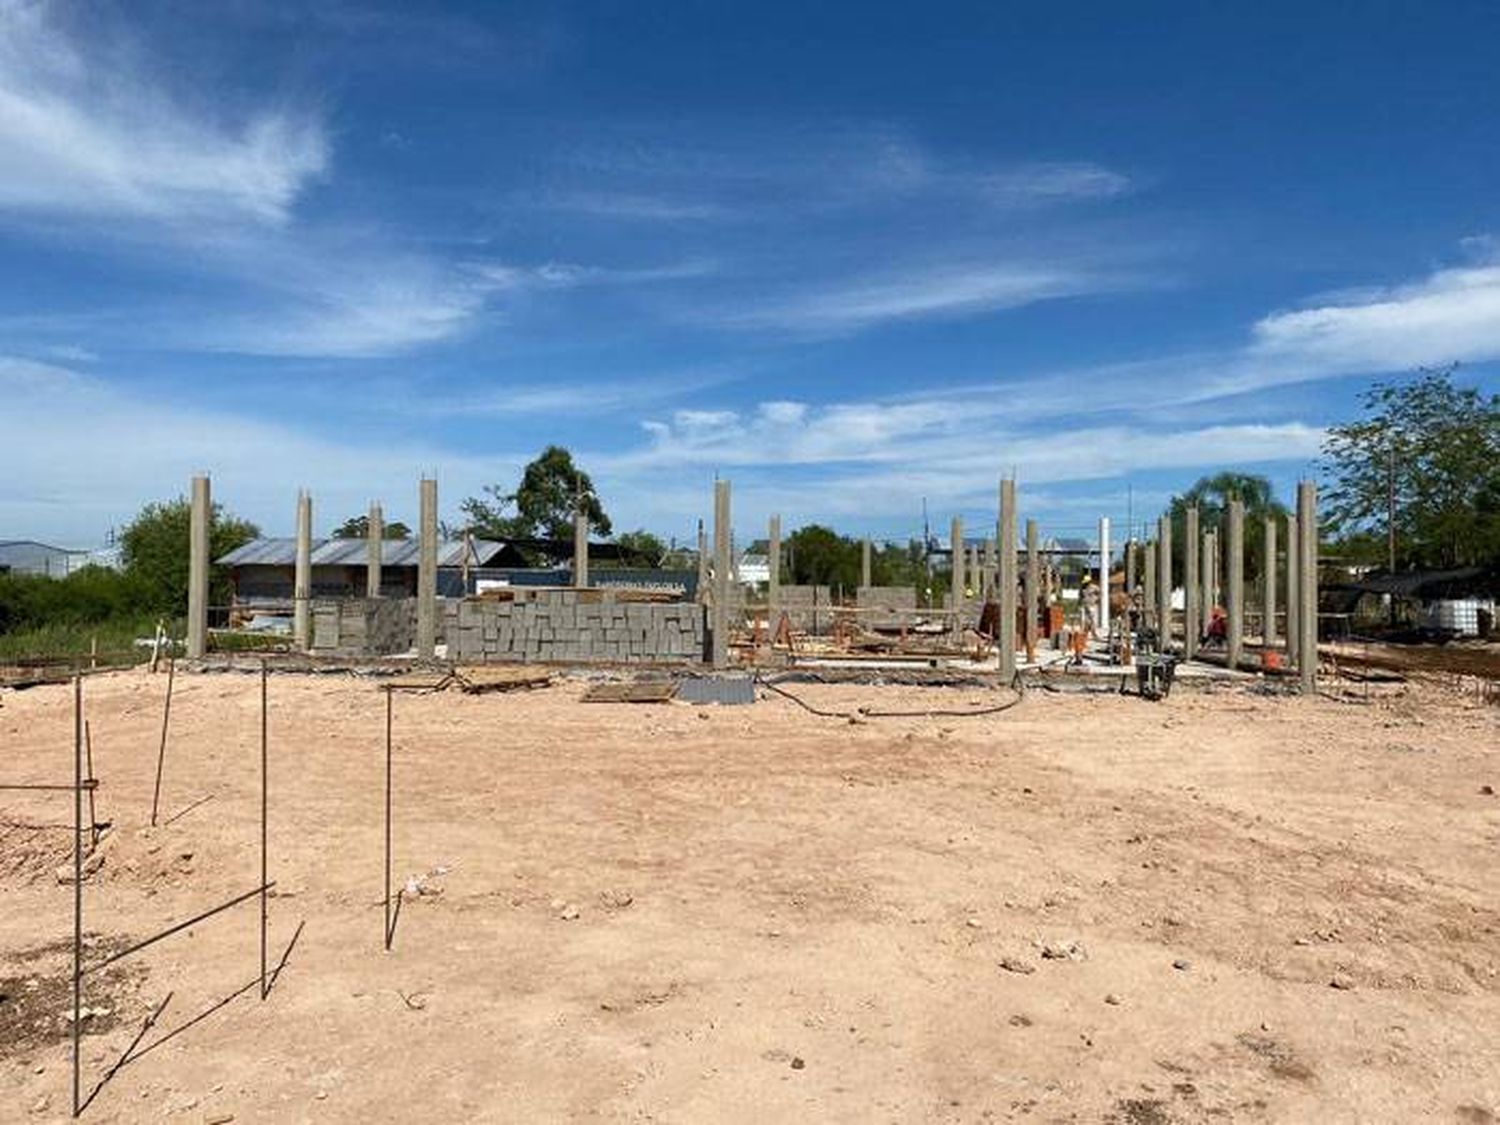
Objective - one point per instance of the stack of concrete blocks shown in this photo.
(576, 626)
(894, 606)
(363, 626)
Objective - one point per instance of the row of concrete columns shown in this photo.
(200, 522)
(1204, 565)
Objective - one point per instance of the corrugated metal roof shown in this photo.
(351, 552)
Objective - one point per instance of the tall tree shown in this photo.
(154, 550)
(1424, 463)
(551, 490)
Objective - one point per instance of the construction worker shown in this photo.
(1088, 598)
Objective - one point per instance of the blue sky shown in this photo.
(849, 257)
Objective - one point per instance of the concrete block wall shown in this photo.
(805, 606)
(897, 605)
(584, 626)
(363, 626)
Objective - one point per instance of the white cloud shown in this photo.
(1451, 314)
(119, 450)
(98, 133)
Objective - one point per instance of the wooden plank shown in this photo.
(649, 691)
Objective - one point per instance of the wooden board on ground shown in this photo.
(419, 681)
(647, 691)
(483, 679)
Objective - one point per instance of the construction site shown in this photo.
(1102, 832)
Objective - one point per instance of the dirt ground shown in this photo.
(1228, 906)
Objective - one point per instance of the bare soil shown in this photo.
(1229, 906)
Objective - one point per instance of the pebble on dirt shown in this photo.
(1182, 964)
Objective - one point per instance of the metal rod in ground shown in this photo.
(88, 750)
(161, 753)
(264, 800)
(178, 928)
(77, 882)
(388, 819)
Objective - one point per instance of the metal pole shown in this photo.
(1104, 555)
(264, 802)
(388, 694)
(88, 750)
(77, 883)
(161, 753)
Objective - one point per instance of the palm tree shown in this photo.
(1211, 495)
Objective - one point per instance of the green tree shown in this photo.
(644, 548)
(1211, 496)
(552, 489)
(818, 556)
(154, 551)
(358, 527)
(1433, 448)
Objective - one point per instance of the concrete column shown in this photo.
(1007, 580)
(302, 578)
(1210, 573)
(773, 585)
(1268, 585)
(1293, 589)
(1307, 578)
(427, 567)
(1192, 605)
(1234, 551)
(956, 603)
(1148, 586)
(1164, 581)
(704, 591)
(374, 550)
(864, 563)
(580, 549)
(722, 563)
(200, 521)
(1104, 576)
(1033, 587)
(1130, 567)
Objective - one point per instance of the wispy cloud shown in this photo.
(844, 306)
(96, 133)
(572, 275)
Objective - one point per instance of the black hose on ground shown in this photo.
(868, 713)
